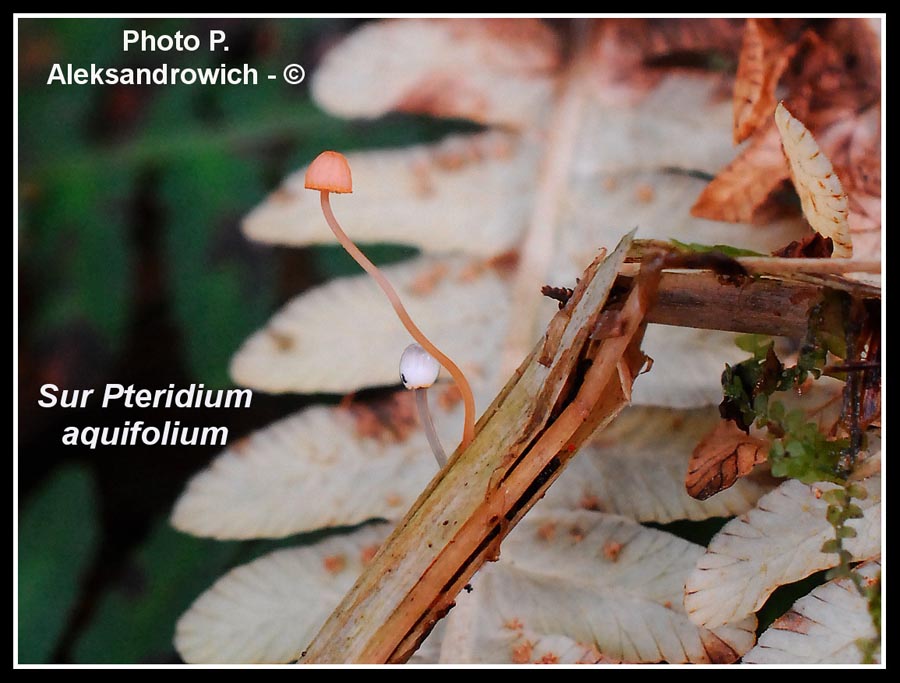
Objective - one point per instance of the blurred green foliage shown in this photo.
(135, 620)
(77, 240)
(211, 300)
(58, 536)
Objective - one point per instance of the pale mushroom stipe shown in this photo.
(330, 172)
(418, 371)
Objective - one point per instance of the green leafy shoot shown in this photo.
(805, 453)
(842, 509)
(698, 248)
(800, 450)
(748, 384)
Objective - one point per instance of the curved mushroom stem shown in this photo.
(428, 424)
(388, 289)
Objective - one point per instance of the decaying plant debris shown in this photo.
(552, 404)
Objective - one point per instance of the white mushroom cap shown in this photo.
(418, 368)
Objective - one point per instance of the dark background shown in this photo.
(133, 269)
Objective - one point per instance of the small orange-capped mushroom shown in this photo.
(329, 172)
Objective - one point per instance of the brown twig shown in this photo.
(773, 265)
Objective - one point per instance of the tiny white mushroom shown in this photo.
(418, 371)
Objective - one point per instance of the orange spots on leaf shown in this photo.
(503, 264)
(425, 282)
(521, 654)
(393, 500)
(611, 550)
(644, 194)
(548, 658)
(513, 624)
(547, 531)
(577, 534)
(283, 342)
(334, 564)
(589, 501)
(368, 553)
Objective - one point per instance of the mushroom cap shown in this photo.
(418, 368)
(329, 172)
